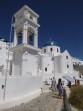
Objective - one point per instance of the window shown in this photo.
(2, 86)
(45, 50)
(51, 49)
(57, 50)
(31, 17)
(67, 66)
(45, 68)
(0, 48)
(66, 57)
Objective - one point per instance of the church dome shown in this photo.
(49, 43)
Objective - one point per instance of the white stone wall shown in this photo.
(17, 64)
(30, 66)
(47, 63)
(39, 62)
(19, 86)
(65, 62)
(57, 64)
(25, 62)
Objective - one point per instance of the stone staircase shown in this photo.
(45, 88)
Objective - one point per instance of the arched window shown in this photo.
(67, 66)
(45, 69)
(51, 49)
(44, 50)
(66, 57)
(31, 17)
(0, 48)
(57, 50)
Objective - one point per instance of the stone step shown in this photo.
(45, 88)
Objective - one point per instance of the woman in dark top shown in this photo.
(60, 88)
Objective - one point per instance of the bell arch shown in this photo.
(26, 25)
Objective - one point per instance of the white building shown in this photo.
(77, 61)
(28, 65)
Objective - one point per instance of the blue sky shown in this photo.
(60, 20)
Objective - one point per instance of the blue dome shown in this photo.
(49, 43)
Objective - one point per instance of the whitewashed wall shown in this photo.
(25, 62)
(30, 65)
(47, 63)
(3, 51)
(39, 62)
(57, 64)
(66, 62)
(17, 63)
(20, 86)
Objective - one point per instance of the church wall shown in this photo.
(39, 62)
(30, 51)
(17, 62)
(18, 87)
(31, 65)
(57, 64)
(47, 65)
(25, 64)
(67, 65)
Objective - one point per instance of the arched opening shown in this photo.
(19, 36)
(67, 66)
(57, 50)
(30, 36)
(51, 49)
(26, 36)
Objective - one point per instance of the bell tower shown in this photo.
(26, 26)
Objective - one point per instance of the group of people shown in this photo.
(59, 86)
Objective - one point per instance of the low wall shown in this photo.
(47, 76)
(19, 86)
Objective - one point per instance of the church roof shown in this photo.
(49, 43)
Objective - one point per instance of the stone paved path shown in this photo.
(47, 101)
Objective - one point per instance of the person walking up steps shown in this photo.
(54, 84)
(60, 88)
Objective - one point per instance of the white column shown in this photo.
(15, 38)
(36, 38)
(24, 64)
(25, 32)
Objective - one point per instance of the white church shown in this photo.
(24, 67)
